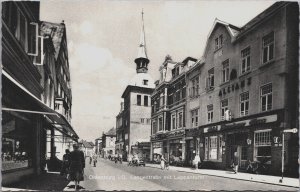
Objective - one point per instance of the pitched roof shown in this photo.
(112, 131)
(56, 31)
(87, 144)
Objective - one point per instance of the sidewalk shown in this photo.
(291, 182)
(50, 181)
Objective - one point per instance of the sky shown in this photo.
(103, 38)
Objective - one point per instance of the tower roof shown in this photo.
(142, 52)
(142, 59)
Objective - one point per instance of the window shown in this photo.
(266, 97)
(194, 115)
(154, 126)
(180, 119)
(160, 124)
(38, 60)
(142, 120)
(213, 147)
(224, 107)
(210, 81)
(268, 47)
(17, 143)
(146, 100)
(225, 71)
(162, 100)
(22, 30)
(219, 42)
(138, 97)
(148, 121)
(173, 121)
(145, 82)
(262, 144)
(244, 103)
(194, 90)
(210, 113)
(245, 53)
(33, 39)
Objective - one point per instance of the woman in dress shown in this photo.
(77, 164)
(162, 162)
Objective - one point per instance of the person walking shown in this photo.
(235, 162)
(95, 159)
(77, 165)
(162, 162)
(65, 163)
(196, 161)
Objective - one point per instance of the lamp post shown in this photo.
(294, 130)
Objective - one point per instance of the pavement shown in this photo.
(287, 181)
(110, 176)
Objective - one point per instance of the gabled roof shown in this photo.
(111, 132)
(232, 30)
(87, 144)
(56, 31)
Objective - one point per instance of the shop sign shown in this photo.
(176, 133)
(157, 145)
(212, 128)
(233, 125)
(192, 132)
(257, 121)
(175, 141)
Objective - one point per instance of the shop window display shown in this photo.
(17, 142)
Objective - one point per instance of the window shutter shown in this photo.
(39, 59)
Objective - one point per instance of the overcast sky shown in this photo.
(103, 38)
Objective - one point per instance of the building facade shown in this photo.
(248, 92)
(108, 143)
(168, 115)
(28, 87)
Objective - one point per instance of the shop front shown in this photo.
(176, 153)
(25, 121)
(192, 145)
(157, 148)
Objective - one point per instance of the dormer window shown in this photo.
(219, 42)
(145, 82)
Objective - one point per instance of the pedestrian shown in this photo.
(129, 159)
(91, 159)
(120, 158)
(196, 161)
(65, 163)
(162, 162)
(95, 159)
(77, 165)
(235, 162)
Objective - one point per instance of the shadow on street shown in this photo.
(45, 181)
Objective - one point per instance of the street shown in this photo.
(110, 176)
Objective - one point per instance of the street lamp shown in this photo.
(294, 130)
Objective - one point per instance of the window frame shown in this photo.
(266, 95)
(210, 113)
(244, 112)
(138, 101)
(225, 71)
(224, 108)
(245, 57)
(268, 46)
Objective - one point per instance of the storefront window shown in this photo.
(175, 151)
(17, 142)
(262, 143)
(213, 147)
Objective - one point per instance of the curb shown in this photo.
(264, 182)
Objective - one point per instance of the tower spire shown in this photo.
(142, 59)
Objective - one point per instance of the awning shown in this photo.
(58, 121)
